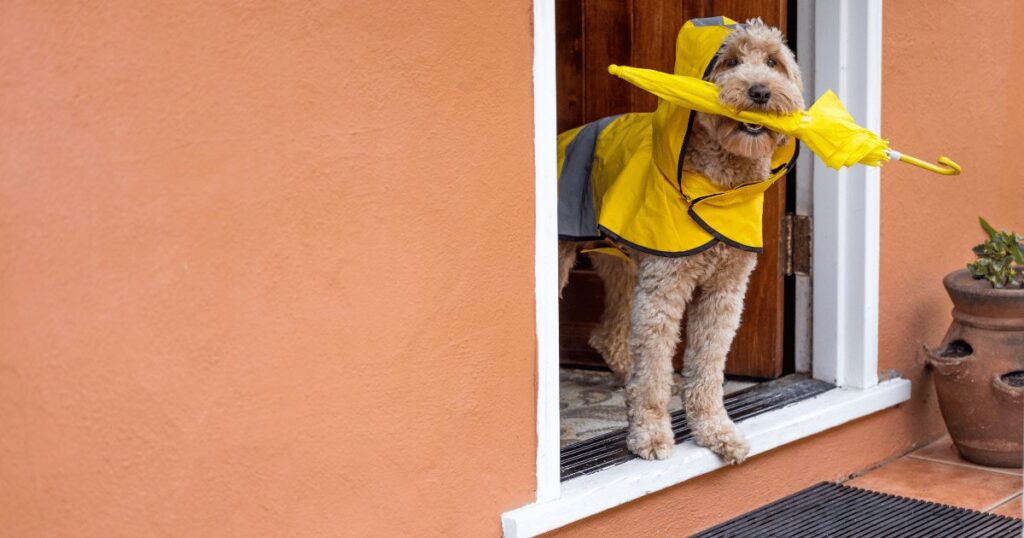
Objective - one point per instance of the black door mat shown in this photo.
(834, 510)
(609, 449)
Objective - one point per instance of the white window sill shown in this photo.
(591, 494)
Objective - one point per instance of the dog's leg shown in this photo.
(714, 318)
(611, 336)
(658, 304)
(566, 261)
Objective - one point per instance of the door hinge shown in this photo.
(796, 242)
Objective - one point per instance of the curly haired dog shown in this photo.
(646, 297)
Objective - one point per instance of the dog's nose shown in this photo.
(759, 93)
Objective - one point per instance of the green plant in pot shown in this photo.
(979, 366)
(1000, 259)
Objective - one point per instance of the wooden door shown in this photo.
(594, 33)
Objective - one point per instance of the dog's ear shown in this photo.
(756, 21)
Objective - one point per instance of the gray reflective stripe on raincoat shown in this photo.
(576, 216)
(715, 21)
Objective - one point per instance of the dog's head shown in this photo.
(755, 70)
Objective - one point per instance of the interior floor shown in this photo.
(593, 403)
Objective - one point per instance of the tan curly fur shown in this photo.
(646, 298)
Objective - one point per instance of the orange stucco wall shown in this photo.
(266, 268)
(950, 85)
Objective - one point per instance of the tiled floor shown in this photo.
(937, 473)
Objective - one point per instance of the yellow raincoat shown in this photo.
(621, 177)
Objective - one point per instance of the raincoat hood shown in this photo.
(622, 176)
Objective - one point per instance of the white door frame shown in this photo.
(847, 60)
(545, 117)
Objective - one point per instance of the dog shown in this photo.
(647, 295)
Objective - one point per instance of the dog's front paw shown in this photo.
(651, 443)
(723, 438)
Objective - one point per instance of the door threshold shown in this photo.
(609, 449)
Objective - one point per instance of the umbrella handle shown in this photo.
(947, 168)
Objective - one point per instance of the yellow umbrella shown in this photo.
(826, 128)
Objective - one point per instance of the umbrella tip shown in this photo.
(614, 69)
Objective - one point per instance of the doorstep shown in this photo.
(591, 494)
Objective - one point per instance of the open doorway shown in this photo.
(592, 34)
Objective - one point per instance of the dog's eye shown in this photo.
(732, 62)
(771, 62)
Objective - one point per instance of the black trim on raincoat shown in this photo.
(689, 122)
(653, 252)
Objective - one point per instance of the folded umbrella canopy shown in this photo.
(826, 128)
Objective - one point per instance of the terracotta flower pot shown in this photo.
(979, 371)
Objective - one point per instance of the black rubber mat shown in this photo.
(609, 449)
(835, 510)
